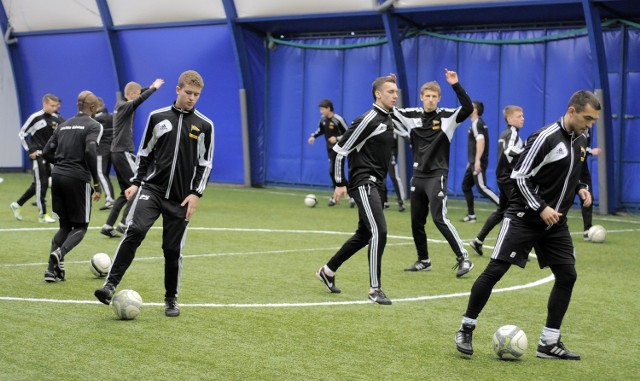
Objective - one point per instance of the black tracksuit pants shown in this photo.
(496, 217)
(145, 210)
(372, 231)
(431, 193)
(39, 186)
(125, 166)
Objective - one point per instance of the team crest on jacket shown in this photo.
(194, 132)
(331, 126)
(435, 125)
(583, 153)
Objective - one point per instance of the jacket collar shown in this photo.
(181, 110)
(380, 109)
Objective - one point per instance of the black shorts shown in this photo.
(71, 198)
(518, 236)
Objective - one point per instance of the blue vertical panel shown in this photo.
(522, 80)
(283, 140)
(410, 48)
(433, 57)
(322, 79)
(630, 192)
(630, 169)
(361, 68)
(59, 64)
(479, 74)
(569, 69)
(162, 53)
(612, 43)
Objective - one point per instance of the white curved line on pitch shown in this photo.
(288, 305)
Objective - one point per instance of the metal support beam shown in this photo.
(606, 184)
(397, 56)
(246, 100)
(113, 44)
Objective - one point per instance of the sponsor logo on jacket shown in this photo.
(194, 132)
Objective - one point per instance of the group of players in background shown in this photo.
(168, 176)
(538, 182)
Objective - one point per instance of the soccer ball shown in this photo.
(597, 233)
(509, 342)
(100, 264)
(310, 200)
(126, 304)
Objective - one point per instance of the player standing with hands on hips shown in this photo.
(368, 144)
(175, 159)
(548, 174)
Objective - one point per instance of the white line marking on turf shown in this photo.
(270, 305)
(289, 305)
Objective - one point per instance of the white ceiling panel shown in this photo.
(260, 8)
(36, 15)
(132, 12)
(432, 3)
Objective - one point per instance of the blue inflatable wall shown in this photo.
(539, 76)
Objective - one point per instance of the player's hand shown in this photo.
(338, 192)
(311, 140)
(130, 192)
(332, 140)
(550, 216)
(157, 83)
(97, 192)
(596, 151)
(477, 168)
(585, 196)
(452, 76)
(33, 155)
(191, 201)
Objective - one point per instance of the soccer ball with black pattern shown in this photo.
(100, 264)
(510, 342)
(126, 304)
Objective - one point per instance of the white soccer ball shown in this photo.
(510, 342)
(310, 200)
(597, 233)
(126, 304)
(100, 265)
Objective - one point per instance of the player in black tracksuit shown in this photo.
(430, 130)
(104, 117)
(72, 149)
(587, 210)
(122, 156)
(34, 134)
(174, 163)
(510, 147)
(547, 177)
(332, 126)
(477, 162)
(396, 180)
(368, 144)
